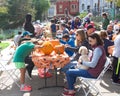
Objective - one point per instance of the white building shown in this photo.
(52, 9)
(97, 6)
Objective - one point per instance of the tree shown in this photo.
(41, 7)
(17, 11)
(117, 2)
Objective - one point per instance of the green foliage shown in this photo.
(96, 19)
(82, 15)
(117, 17)
(41, 6)
(117, 2)
(3, 45)
(12, 12)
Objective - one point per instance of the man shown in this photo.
(110, 31)
(105, 21)
(17, 38)
(64, 29)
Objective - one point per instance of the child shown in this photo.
(53, 28)
(21, 52)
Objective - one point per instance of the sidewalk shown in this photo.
(106, 87)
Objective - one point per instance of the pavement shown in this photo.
(106, 87)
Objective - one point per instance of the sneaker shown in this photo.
(68, 94)
(116, 83)
(26, 88)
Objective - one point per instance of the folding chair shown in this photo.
(8, 67)
(90, 83)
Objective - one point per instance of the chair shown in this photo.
(10, 71)
(90, 83)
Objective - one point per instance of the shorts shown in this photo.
(19, 65)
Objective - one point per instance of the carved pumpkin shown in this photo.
(55, 42)
(47, 48)
(59, 49)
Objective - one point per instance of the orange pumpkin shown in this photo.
(55, 42)
(47, 48)
(59, 49)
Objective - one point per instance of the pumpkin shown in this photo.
(55, 42)
(59, 49)
(47, 48)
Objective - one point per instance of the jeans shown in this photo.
(72, 74)
(71, 65)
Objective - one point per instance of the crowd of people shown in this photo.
(73, 33)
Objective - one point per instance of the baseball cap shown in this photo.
(89, 27)
(26, 33)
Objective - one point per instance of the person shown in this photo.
(96, 64)
(116, 60)
(67, 40)
(75, 24)
(28, 26)
(105, 21)
(38, 29)
(20, 54)
(107, 42)
(81, 40)
(28, 60)
(17, 38)
(110, 32)
(90, 29)
(64, 29)
(53, 28)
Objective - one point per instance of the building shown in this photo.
(67, 7)
(94, 6)
(52, 9)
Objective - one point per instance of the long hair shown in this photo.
(82, 35)
(98, 38)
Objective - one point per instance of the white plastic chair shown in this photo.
(90, 83)
(9, 68)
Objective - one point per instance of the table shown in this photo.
(52, 61)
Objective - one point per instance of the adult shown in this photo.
(76, 23)
(107, 42)
(81, 40)
(38, 29)
(116, 60)
(17, 38)
(64, 29)
(110, 32)
(90, 29)
(28, 26)
(105, 21)
(95, 65)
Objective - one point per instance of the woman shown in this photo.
(95, 65)
(28, 26)
(107, 42)
(81, 40)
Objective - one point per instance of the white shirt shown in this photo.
(116, 51)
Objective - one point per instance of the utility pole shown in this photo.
(98, 7)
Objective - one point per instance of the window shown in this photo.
(73, 8)
(83, 6)
(60, 8)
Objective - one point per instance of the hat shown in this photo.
(89, 27)
(26, 33)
